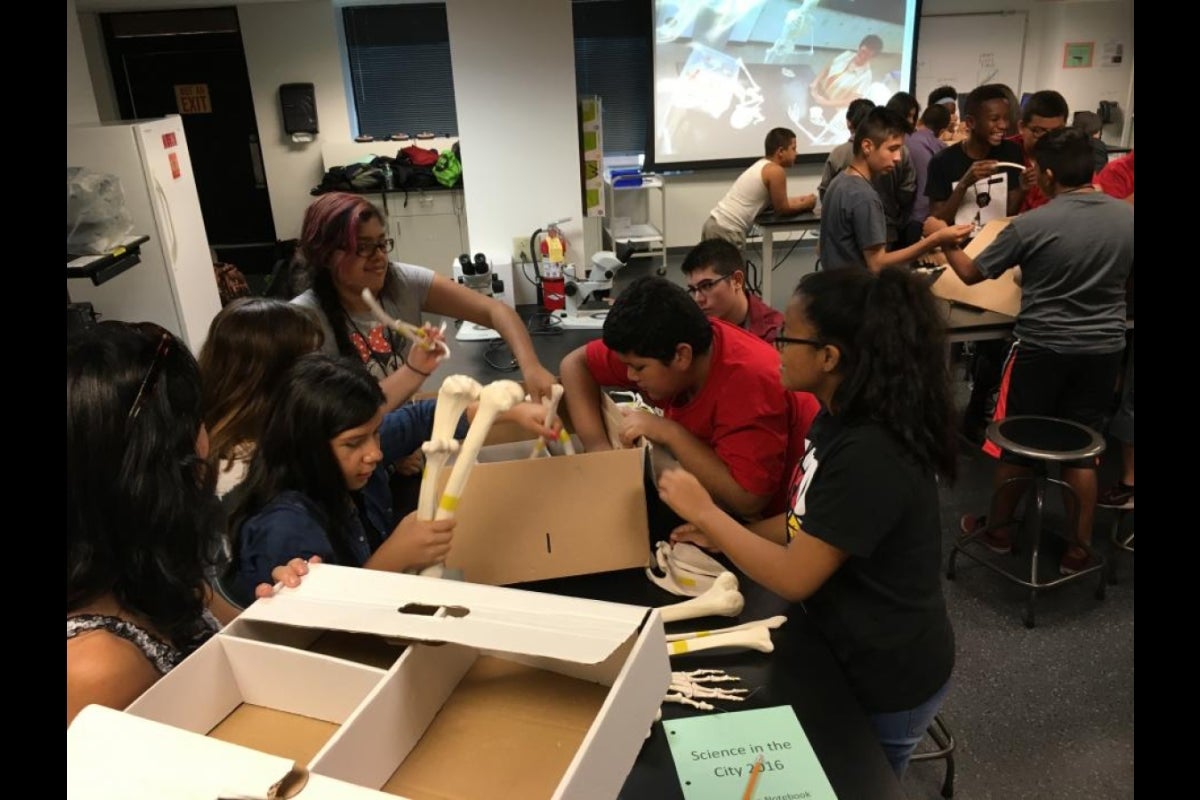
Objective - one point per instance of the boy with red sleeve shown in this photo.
(726, 416)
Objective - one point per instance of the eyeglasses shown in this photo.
(704, 287)
(783, 341)
(1038, 131)
(165, 341)
(367, 249)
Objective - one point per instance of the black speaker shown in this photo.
(299, 104)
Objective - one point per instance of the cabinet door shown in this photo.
(432, 240)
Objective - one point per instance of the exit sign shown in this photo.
(192, 98)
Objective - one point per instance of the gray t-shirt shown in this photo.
(897, 189)
(403, 297)
(1075, 254)
(852, 220)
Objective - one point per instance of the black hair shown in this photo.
(891, 336)
(652, 317)
(1067, 152)
(905, 105)
(142, 516)
(872, 41)
(936, 118)
(879, 125)
(979, 96)
(857, 111)
(719, 255)
(943, 93)
(1046, 103)
(777, 139)
(319, 398)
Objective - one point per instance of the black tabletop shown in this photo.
(801, 673)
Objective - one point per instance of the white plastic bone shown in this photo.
(723, 600)
(457, 392)
(758, 638)
(771, 622)
(413, 332)
(687, 686)
(687, 570)
(551, 405)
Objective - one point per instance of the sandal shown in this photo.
(996, 540)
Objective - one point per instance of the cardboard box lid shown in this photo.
(1002, 294)
(113, 755)
(495, 618)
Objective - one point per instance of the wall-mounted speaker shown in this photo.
(299, 103)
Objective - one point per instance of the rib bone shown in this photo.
(723, 599)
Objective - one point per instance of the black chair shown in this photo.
(1045, 440)
(943, 740)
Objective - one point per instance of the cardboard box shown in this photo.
(523, 519)
(1002, 295)
(498, 693)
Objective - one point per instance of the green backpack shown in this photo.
(448, 169)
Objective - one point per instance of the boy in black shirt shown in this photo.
(967, 183)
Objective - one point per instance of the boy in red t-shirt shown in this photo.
(1043, 112)
(726, 416)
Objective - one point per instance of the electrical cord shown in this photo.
(543, 323)
(500, 346)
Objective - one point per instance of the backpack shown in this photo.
(417, 156)
(448, 169)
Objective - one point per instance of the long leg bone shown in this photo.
(457, 392)
(494, 399)
(758, 638)
(551, 404)
(770, 622)
(723, 599)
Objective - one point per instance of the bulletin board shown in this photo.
(967, 50)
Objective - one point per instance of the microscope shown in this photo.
(587, 293)
(477, 275)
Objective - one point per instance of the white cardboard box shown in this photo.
(498, 693)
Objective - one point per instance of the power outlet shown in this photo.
(520, 250)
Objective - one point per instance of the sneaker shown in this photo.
(995, 540)
(1119, 496)
(1076, 559)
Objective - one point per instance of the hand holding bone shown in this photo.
(418, 334)
(414, 544)
(550, 404)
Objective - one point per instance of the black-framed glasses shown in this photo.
(704, 287)
(165, 341)
(783, 341)
(367, 249)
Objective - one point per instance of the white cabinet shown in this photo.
(430, 230)
(636, 217)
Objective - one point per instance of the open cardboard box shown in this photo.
(523, 519)
(498, 693)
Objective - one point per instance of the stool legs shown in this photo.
(1032, 521)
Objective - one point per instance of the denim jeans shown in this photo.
(900, 732)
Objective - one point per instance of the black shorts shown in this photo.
(1076, 386)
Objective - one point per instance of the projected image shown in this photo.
(727, 71)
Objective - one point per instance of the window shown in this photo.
(612, 60)
(400, 69)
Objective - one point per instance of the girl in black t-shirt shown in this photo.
(860, 545)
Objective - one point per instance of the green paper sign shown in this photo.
(715, 755)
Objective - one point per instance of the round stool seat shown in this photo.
(1046, 438)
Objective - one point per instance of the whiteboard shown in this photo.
(967, 50)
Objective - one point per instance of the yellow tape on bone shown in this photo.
(678, 647)
(448, 503)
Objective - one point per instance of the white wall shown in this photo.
(294, 43)
(81, 98)
(517, 121)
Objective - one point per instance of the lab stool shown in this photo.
(943, 739)
(1119, 542)
(1043, 439)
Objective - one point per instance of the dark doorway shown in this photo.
(192, 63)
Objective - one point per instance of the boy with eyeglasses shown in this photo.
(725, 414)
(966, 185)
(1043, 112)
(716, 275)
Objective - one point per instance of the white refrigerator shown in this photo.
(174, 285)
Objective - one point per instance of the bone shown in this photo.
(771, 622)
(414, 332)
(758, 638)
(494, 399)
(687, 570)
(551, 405)
(687, 687)
(457, 392)
(723, 600)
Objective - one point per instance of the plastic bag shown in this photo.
(97, 220)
